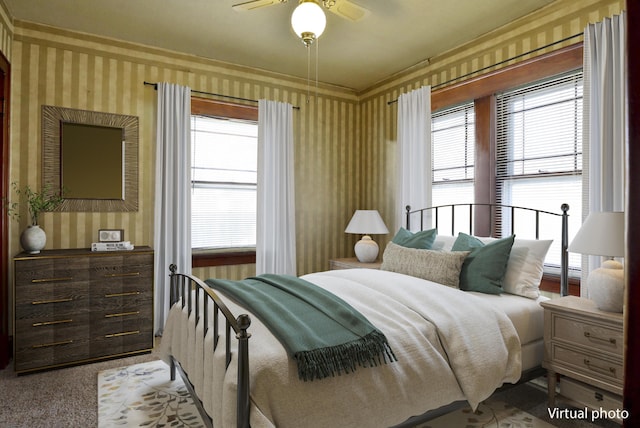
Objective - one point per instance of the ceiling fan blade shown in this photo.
(349, 10)
(254, 4)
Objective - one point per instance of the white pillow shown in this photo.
(443, 243)
(524, 268)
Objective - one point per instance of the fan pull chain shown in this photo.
(308, 69)
(317, 48)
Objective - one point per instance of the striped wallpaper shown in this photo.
(345, 142)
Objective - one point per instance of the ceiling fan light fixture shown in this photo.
(308, 21)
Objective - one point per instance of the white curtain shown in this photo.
(172, 228)
(604, 125)
(276, 223)
(414, 151)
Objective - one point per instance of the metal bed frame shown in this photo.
(187, 290)
(182, 286)
(493, 213)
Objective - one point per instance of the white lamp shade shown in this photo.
(308, 17)
(366, 222)
(601, 234)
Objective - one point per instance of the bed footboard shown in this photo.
(188, 290)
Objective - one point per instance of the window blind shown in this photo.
(453, 155)
(223, 179)
(539, 156)
(453, 142)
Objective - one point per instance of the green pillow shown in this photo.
(485, 266)
(422, 240)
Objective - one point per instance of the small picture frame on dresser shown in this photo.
(110, 235)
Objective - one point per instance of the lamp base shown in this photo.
(366, 250)
(606, 286)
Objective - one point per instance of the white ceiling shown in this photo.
(394, 36)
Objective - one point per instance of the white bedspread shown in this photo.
(450, 346)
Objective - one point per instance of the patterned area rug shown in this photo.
(143, 395)
(490, 414)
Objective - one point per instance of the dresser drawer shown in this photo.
(608, 371)
(49, 298)
(112, 302)
(120, 310)
(123, 334)
(588, 334)
(125, 268)
(51, 271)
(27, 329)
(41, 345)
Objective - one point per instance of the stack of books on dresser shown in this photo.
(111, 246)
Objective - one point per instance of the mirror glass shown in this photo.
(92, 151)
(92, 157)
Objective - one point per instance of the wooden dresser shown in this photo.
(585, 346)
(76, 306)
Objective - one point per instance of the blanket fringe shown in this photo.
(369, 351)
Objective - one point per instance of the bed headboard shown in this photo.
(491, 212)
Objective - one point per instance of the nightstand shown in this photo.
(352, 263)
(583, 345)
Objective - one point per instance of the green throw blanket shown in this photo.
(321, 332)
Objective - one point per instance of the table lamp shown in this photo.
(602, 234)
(366, 222)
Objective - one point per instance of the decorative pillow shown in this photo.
(423, 239)
(438, 266)
(525, 267)
(484, 268)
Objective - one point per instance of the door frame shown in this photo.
(6, 345)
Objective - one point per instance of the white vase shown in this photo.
(606, 286)
(33, 239)
(366, 250)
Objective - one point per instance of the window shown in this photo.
(488, 187)
(453, 151)
(539, 154)
(224, 141)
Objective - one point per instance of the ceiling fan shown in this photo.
(343, 8)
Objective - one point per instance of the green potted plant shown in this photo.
(33, 238)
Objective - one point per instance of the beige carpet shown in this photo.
(63, 398)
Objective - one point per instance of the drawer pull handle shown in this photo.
(46, 345)
(44, 302)
(37, 281)
(611, 371)
(45, 323)
(123, 314)
(130, 293)
(610, 340)
(119, 275)
(124, 333)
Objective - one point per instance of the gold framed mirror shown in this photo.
(92, 157)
